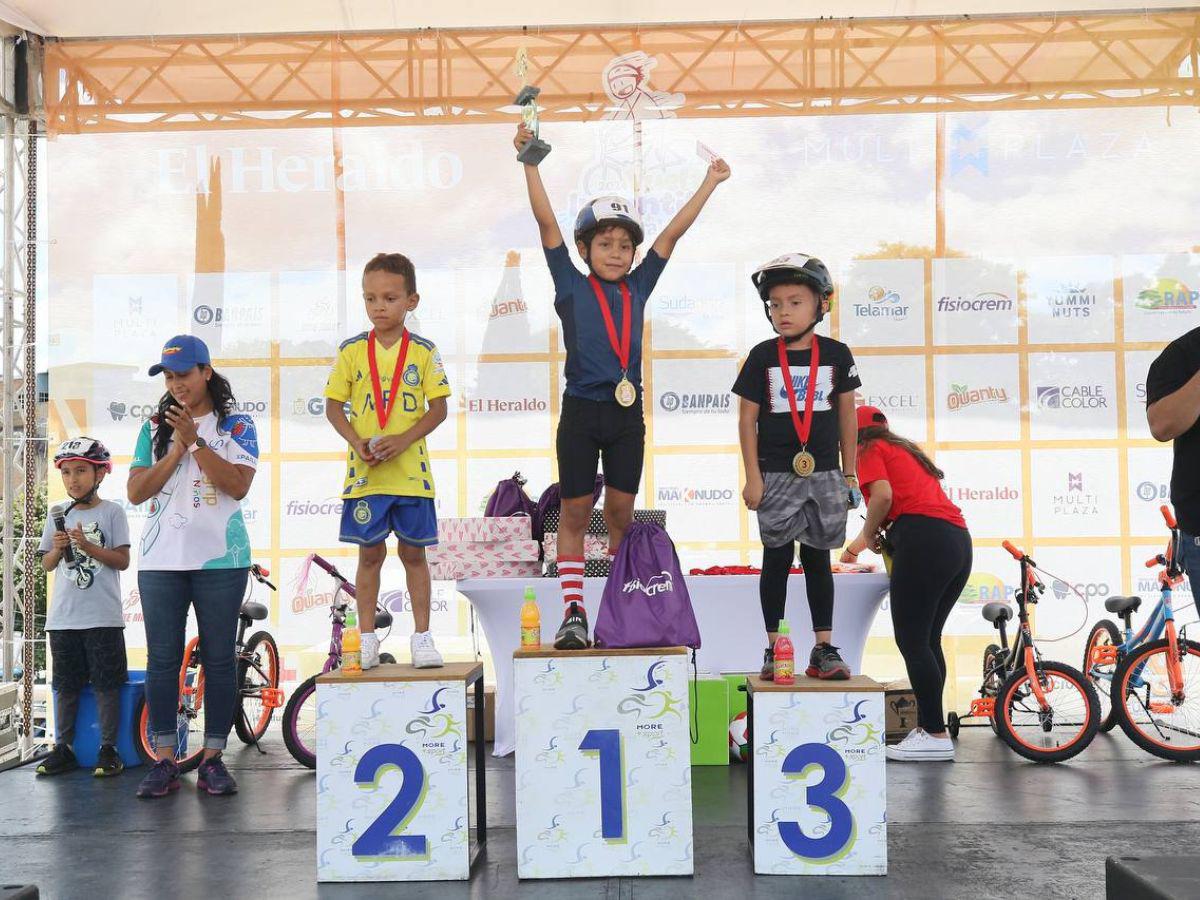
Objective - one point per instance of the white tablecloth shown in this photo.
(727, 611)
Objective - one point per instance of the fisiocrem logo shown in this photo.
(658, 584)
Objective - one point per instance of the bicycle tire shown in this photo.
(250, 732)
(303, 754)
(1133, 660)
(1075, 746)
(1111, 634)
(149, 756)
(952, 725)
(992, 677)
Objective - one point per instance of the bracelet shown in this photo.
(850, 477)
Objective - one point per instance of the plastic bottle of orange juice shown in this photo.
(531, 622)
(351, 646)
(785, 656)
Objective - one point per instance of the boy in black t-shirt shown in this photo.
(796, 411)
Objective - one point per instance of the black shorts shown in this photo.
(593, 430)
(88, 654)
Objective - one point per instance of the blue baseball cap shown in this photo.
(181, 353)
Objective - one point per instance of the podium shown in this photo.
(392, 774)
(817, 789)
(603, 769)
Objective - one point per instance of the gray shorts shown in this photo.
(810, 510)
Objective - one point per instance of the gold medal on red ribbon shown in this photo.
(383, 410)
(803, 463)
(625, 393)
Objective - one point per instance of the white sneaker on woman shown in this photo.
(369, 649)
(424, 654)
(921, 746)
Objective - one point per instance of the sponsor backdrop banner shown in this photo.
(1009, 330)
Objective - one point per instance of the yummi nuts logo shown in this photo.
(1167, 295)
(961, 396)
(659, 584)
(884, 304)
(1071, 302)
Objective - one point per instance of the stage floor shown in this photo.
(988, 825)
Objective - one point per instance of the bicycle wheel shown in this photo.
(1159, 723)
(257, 668)
(1104, 634)
(189, 725)
(1054, 734)
(993, 674)
(300, 723)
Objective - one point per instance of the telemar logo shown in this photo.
(961, 396)
(657, 584)
(696, 404)
(1075, 501)
(1167, 295)
(1071, 396)
(1153, 492)
(1071, 301)
(695, 497)
(984, 301)
(882, 304)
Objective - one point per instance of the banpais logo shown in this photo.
(698, 404)
(238, 315)
(1153, 492)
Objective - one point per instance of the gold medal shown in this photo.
(626, 393)
(804, 463)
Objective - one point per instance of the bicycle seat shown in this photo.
(383, 618)
(1122, 605)
(997, 612)
(254, 611)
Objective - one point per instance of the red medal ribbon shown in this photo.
(803, 426)
(383, 411)
(622, 348)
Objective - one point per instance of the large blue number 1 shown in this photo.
(606, 743)
(378, 840)
(822, 795)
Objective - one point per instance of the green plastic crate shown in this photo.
(709, 696)
(737, 697)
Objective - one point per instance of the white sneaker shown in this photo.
(920, 746)
(370, 651)
(424, 654)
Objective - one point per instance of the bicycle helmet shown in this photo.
(794, 268)
(86, 449)
(608, 210)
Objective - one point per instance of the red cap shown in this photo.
(870, 415)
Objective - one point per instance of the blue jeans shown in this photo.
(1189, 558)
(217, 595)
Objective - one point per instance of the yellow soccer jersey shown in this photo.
(424, 379)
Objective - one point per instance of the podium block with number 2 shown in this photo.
(603, 763)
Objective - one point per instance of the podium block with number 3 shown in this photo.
(818, 795)
(603, 763)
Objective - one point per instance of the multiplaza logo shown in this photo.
(331, 506)
(1071, 302)
(1168, 295)
(1075, 500)
(883, 304)
(1071, 396)
(699, 404)
(984, 301)
(694, 496)
(242, 315)
(495, 405)
(962, 395)
(886, 402)
(1153, 492)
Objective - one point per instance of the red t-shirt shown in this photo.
(914, 491)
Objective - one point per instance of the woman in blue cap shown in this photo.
(195, 461)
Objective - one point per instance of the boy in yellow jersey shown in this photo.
(396, 387)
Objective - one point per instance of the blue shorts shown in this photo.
(369, 520)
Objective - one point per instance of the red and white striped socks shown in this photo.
(570, 576)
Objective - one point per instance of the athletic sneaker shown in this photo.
(214, 778)
(768, 666)
(921, 746)
(424, 654)
(59, 761)
(162, 778)
(827, 664)
(573, 633)
(108, 762)
(369, 649)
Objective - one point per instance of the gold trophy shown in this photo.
(534, 151)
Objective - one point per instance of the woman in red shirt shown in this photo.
(931, 560)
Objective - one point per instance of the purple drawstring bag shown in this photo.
(510, 499)
(645, 601)
(551, 500)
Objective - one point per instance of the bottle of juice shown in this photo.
(785, 656)
(531, 622)
(351, 646)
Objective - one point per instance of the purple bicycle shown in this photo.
(300, 714)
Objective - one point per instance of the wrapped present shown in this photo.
(485, 528)
(597, 526)
(592, 568)
(484, 551)
(595, 546)
(455, 569)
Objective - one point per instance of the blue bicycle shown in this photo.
(1148, 682)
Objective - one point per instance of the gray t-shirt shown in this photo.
(88, 594)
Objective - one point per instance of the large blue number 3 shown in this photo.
(378, 840)
(822, 795)
(606, 743)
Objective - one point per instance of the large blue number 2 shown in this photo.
(822, 795)
(606, 743)
(378, 840)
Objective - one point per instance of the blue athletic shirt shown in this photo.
(593, 369)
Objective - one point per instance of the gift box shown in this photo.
(485, 528)
(595, 546)
(592, 568)
(484, 551)
(597, 526)
(456, 569)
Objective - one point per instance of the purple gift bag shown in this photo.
(510, 499)
(551, 500)
(646, 602)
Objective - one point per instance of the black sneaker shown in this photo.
(214, 778)
(768, 666)
(573, 633)
(827, 664)
(162, 778)
(108, 762)
(60, 760)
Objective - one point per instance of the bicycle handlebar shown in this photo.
(1014, 551)
(1151, 563)
(260, 574)
(1168, 516)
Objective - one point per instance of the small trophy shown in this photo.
(534, 151)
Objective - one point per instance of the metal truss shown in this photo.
(798, 68)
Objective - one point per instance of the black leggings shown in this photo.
(818, 578)
(931, 561)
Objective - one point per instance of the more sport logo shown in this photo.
(882, 303)
(1167, 295)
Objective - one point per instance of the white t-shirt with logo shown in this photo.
(191, 525)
